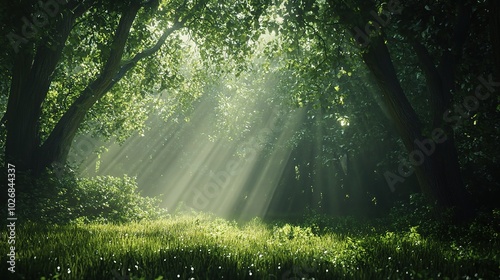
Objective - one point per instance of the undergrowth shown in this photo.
(201, 246)
(101, 228)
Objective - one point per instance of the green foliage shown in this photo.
(164, 52)
(66, 199)
(43, 199)
(417, 219)
(288, 232)
(418, 213)
(345, 226)
(112, 199)
(201, 246)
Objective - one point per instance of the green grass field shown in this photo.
(204, 247)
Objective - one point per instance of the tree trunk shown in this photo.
(441, 84)
(438, 174)
(31, 78)
(57, 145)
(56, 148)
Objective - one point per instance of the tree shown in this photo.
(336, 36)
(113, 45)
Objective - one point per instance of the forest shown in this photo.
(250, 139)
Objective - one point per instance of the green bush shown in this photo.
(43, 199)
(112, 199)
(418, 215)
(418, 212)
(56, 198)
(344, 225)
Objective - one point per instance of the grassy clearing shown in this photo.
(204, 247)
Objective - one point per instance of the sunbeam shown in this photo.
(231, 176)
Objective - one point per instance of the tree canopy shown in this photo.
(416, 77)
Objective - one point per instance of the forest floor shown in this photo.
(205, 247)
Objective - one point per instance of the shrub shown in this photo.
(67, 199)
(44, 199)
(420, 214)
(112, 199)
(345, 225)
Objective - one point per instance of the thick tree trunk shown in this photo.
(438, 174)
(441, 84)
(31, 81)
(402, 114)
(31, 78)
(32, 75)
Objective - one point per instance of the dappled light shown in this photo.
(254, 139)
(230, 175)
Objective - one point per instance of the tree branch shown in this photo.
(129, 64)
(57, 145)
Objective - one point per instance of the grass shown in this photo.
(205, 247)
